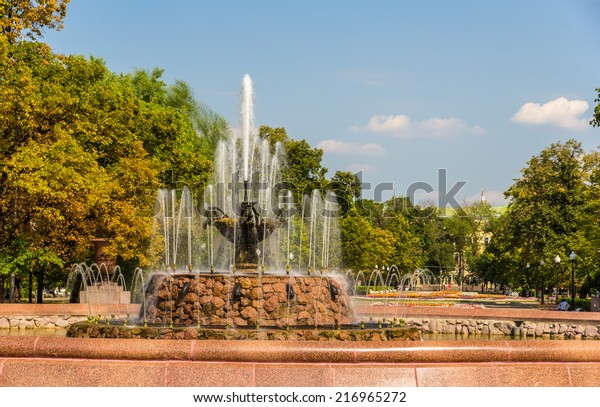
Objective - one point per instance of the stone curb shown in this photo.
(301, 352)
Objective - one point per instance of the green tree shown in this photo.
(407, 253)
(347, 188)
(28, 18)
(588, 238)
(21, 261)
(596, 119)
(388, 220)
(363, 245)
(80, 148)
(69, 146)
(371, 210)
(434, 239)
(467, 227)
(209, 126)
(274, 135)
(546, 206)
(177, 131)
(501, 263)
(303, 170)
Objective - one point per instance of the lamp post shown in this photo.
(526, 278)
(557, 261)
(572, 256)
(542, 263)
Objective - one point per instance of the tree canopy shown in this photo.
(83, 146)
(596, 118)
(83, 151)
(552, 212)
(28, 18)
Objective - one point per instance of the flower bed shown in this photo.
(445, 298)
(445, 295)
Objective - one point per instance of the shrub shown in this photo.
(583, 303)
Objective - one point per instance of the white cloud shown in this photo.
(386, 124)
(559, 112)
(401, 126)
(344, 147)
(448, 127)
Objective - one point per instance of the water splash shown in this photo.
(247, 123)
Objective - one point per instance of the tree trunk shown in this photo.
(17, 289)
(11, 289)
(1, 290)
(30, 287)
(40, 286)
(75, 292)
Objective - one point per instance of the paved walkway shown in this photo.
(378, 309)
(67, 309)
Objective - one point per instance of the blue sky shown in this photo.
(397, 89)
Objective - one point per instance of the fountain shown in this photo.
(247, 256)
(213, 274)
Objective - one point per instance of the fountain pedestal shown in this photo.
(245, 232)
(246, 300)
(105, 293)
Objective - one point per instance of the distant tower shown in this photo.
(482, 197)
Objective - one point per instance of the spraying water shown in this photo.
(245, 205)
(247, 123)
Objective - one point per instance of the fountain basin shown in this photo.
(247, 299)
(35, 361)
(344, 333)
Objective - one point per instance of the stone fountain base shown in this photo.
(80, 362)
(35, 360)
(99, 330)
(246, 300)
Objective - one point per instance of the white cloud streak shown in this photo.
(402, 127)
(344, 147)
(559, 112)
(386, 124)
